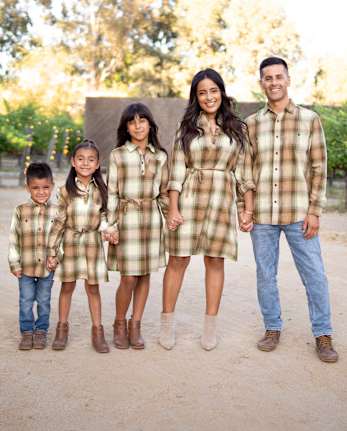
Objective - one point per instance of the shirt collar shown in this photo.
(82, 187)
(290, 108)
(35, 204)
(132, 147)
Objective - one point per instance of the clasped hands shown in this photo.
(246, 221)
(112, 236)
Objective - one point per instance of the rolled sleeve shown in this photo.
(112, 187)
(177, 168)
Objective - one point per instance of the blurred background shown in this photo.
(55, 53)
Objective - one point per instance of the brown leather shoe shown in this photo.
(135, 339)
(61, 336)
(120, 334)
(26, 343)
(325, 350)
(40, 339)
(269, 341)
(98, 339)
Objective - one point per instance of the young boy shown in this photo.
(31, 223)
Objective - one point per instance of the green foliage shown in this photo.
(335, 126)
(27, 126)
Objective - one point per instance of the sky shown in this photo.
(321, 25)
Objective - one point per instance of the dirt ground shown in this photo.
(235, 387)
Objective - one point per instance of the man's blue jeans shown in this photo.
(308, 261)
(33, 289)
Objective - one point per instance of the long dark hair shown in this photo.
(129, 113)
(70, 184)
(226, 118)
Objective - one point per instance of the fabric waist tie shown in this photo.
(138, 203)
(197, 174)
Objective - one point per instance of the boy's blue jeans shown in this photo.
(33, 289)
(308, 261)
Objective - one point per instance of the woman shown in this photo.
(210, 165)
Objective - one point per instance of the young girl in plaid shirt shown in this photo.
(137, 199)
(81, 209)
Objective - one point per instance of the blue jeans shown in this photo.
(33, 289)
(308, 261)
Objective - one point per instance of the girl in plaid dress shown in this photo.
(137, 200)
(81, 208)
(210, 167)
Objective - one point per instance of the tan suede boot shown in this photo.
(61, 336)
(39, 339)
(135, 339)
(120, 334)
(167, 337)
(325, 350)
(98, 339)
(209, 336)
(270, 340)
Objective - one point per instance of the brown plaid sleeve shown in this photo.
(58, 226)
(113, 192)
(163, 198)
(14, 259)
(177, 168)
(318, 169)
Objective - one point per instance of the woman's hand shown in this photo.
(174, 219)
(112, 236)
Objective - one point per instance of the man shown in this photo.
(289, 169)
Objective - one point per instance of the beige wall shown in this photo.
(102, 115)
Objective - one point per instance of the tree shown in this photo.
(15, 38)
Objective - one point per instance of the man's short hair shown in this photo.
(38, 170)
(270, 61)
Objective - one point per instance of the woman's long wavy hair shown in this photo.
(70, 184)
(226, 118)
(129, 113)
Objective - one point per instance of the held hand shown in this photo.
(174, 219)
(310, 226)
(17, 273)
(52, 263)
(245, 221)
(113, 238)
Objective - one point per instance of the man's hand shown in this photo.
(17, 273)
(310, 226)
(245, 221)
(52, 263)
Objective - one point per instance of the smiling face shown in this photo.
(138, 129)
(85, 162)
(209, 96)
(274, 82)
(40, 189)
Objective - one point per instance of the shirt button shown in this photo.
(275, 185)
(276, 169)
(276, 153)
(275, 202)
(277, 137)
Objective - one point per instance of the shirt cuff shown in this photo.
(15, 267)
(174, 185)
(51, 252)
(246, 186)
(315, 210)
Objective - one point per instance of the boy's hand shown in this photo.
(52, 263)
(17, 273)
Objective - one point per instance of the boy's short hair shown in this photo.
(38, 170)
(270, 61)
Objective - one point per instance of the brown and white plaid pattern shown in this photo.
(76, 227)
(207, 180)
(30, 227)
(137, 201)
(289, 164)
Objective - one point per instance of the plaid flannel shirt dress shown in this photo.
(208, 180)
(76, 226)
(137, 202)
(30, 227)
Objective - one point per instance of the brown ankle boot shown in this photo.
(61, 336)
(98, 339)
(270, 340)
(135, 339)
(120, 334)
(26, 343)
(325, 350)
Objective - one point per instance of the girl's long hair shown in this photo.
(226, 118)
(70, 184)
(129, 113)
